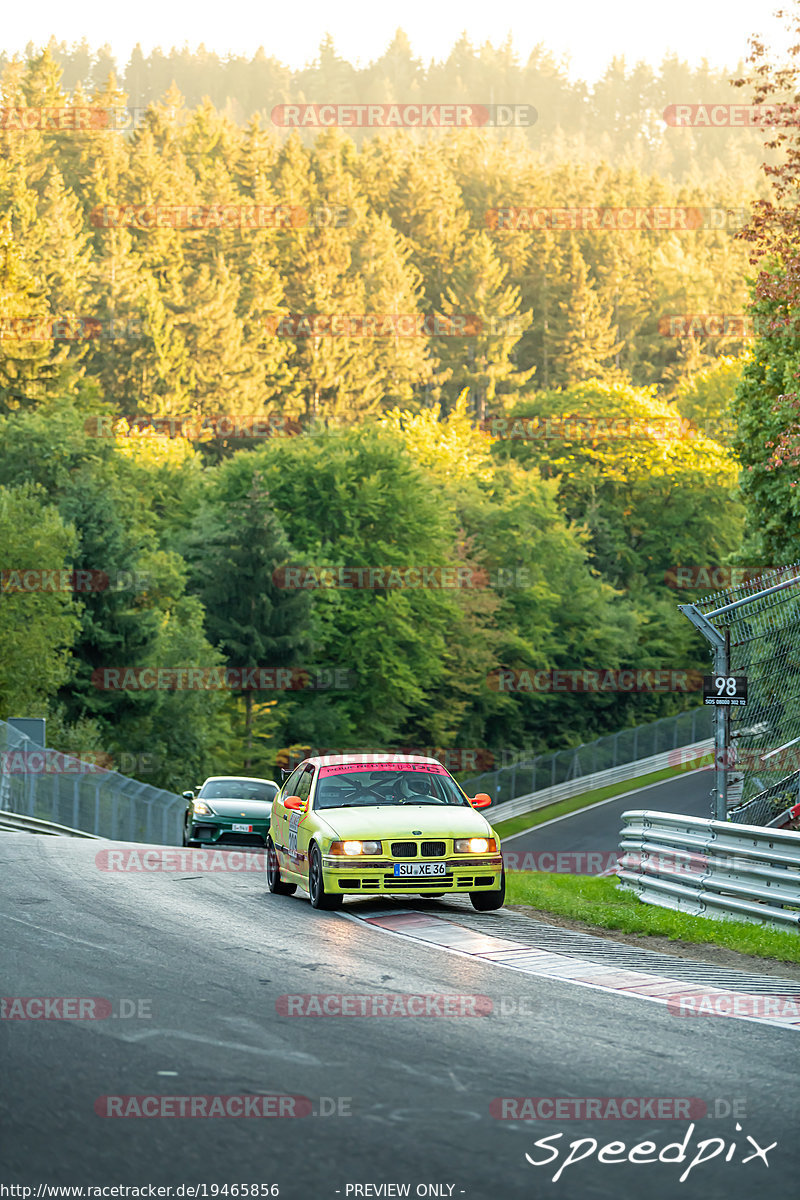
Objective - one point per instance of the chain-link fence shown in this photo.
(612, 750)
(55, 787)
(43, 783)
(755, 630)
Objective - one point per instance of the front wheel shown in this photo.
(489, 901)
(274, 881)
(316, 884)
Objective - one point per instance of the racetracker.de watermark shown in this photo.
(595, 219)
(218, 216)
(606, 862)
(94, 762)
(719, 1003)
(223, 679)
(166, 859)
(15, 581)
(456, 759)
(730, 116)
(72, 1008)
(391, 325)
(197, 428)
(730, 325)
(403, 116)
(77, 118)
(333, 1004)
(504, 679)
(70, 329)
(722, 578)
(598, 1108)
(205, 1107)
(404, 578)
(587, 428)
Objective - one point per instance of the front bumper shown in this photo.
(464, 873)
(211, 831)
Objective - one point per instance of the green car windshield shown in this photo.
(237, 789)
(369, 788)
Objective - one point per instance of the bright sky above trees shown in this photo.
(715, 30)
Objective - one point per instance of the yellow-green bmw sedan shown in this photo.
(361, 825)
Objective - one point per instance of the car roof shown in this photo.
(238, 778)
(328, 760)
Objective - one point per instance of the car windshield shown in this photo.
(342, 787)
(238, 789)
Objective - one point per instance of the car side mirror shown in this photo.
(482, 800)
(188, 795)
(294, 803)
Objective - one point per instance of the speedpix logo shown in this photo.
(615, 1153)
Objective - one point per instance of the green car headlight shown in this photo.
(352, 848)
(203, 809)
(474, 845)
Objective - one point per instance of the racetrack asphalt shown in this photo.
(205, 957)
(597, 827)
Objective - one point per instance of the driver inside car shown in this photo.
(410, 789)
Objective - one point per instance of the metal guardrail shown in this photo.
(44, 784)
(546, 771)
(16, 823)
(712, 868)
(586, 783)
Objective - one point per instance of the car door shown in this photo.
(303, 825)
(279, 825)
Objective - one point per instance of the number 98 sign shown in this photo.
(729, 691)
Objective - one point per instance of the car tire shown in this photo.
(489, 901)
(185, 839)
(274, 881)
(316, 884)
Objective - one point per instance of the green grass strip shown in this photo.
(600, 902)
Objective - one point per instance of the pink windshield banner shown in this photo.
(347, 768)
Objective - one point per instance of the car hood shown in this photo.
(237, 808)
(400, 822)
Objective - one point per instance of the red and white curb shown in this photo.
(658, 989)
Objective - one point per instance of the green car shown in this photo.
(361, 825)
(229, 810)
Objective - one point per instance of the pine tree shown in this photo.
(477, 293)
(237, 549)
(581, 335)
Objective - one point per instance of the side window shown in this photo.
(290, 787)
(304, 786)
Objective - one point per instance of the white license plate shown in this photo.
(413, 869)
(242, 828)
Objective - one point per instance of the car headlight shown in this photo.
(353, 848)
(474, 845)
(203, 809)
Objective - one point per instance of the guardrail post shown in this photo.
(718, 645)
